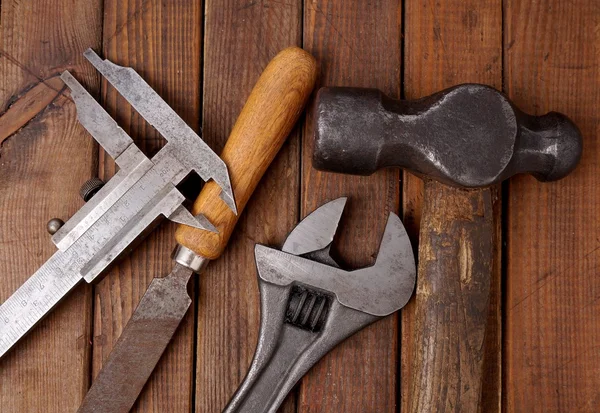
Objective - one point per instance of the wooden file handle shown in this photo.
(266, 120)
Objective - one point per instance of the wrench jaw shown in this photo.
(286, 351)
(316, 231)
(395, 256)
(379, 290)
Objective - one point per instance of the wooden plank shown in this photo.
(162, 41)
(355, 46)
(552, 357)
(446, 43)
(44, 156)
(240, 40)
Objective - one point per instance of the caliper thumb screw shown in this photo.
(90, 188)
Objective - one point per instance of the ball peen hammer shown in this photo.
(460, 141)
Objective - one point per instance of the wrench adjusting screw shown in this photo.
(307, 308)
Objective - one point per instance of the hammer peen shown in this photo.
(460, 141)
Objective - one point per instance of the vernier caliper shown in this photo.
(126, 206)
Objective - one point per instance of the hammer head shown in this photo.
(469, 136)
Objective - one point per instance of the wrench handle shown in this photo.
(270, 113)
(285, 353)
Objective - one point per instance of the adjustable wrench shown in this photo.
(309, 304)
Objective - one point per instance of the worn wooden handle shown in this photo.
(266, 120)
(452, 299)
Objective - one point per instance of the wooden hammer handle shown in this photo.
(266, 120)
(456, 253)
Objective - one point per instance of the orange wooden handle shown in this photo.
(266, 120)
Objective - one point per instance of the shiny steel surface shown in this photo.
(316, 231)
(187, 147)
(189, 259)
(391, 280)
(469, 135)
(37, 296)
(54, 225)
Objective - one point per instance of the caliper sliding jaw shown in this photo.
(309, 304)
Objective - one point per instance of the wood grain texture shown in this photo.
(452, 300)
(44, 156)
(162, 42)
(355, 46)
(552, 358)
(447, 43)
(264, 124)
(240, 40)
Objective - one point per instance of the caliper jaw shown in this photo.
(184, 144)
(309, 306)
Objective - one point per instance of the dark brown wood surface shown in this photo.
(240, 40)
(552, 346)
(203, 59)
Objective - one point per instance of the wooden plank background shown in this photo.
(552, 302)
(203, 58)
(43, 148)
